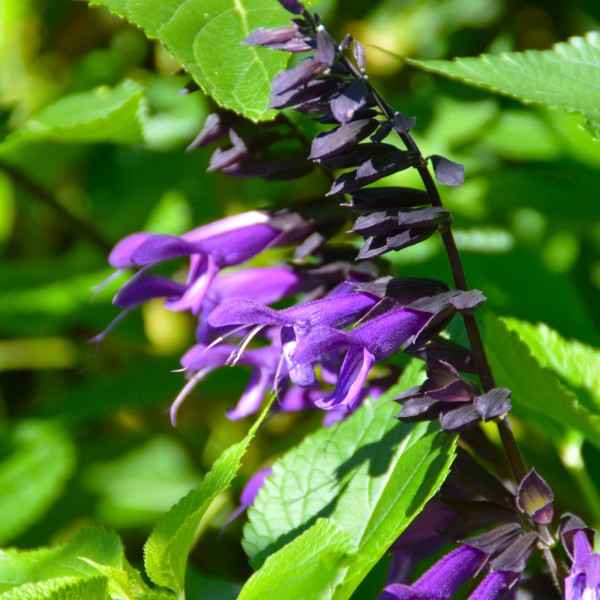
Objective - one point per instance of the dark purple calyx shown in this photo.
(535, 498)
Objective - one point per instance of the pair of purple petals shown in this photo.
(309, 331)
(446, 576)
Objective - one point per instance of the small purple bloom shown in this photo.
(249, 493)
(442, 580)
(496, 585)
(583, 582)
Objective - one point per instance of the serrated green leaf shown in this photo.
(19, 567)
(127, 583)
(308, 567)
(167, 548)
(206, 36)
(61, 588)
(101, 115)
(371, 474)
(38, 459)
(567, 77)
(537, 393)
(575, 363)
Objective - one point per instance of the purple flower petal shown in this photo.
(250, 401)
(121, 256)
(352, 378)
(442, 580)
(494, 586)
(146, 288)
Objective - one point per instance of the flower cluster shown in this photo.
(312, 328)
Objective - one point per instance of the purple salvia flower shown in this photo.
(202, 360)
(296, 322)
(496, 585)
(583, 582)
(442, 580)
(249, 493)
(227, 242)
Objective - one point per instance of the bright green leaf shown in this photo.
(167, 548)
(38, 459)
(205, 37)
(127, 486)
(537, 394)
(61, 588)
(568, 76)
(307, 567)
(100, 115)
(371, 474)
(20, 567)
(574, 362)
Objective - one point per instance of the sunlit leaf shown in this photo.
(167, 548)
(574, 362)
(370, 474)
(307, 567)
(206, 38)
(38, 459)
(100, 115)
(61, 588)
(537, 394)
(20, 567)
(568, 76)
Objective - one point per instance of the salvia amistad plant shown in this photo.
(415, 472)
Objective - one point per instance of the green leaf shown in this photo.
(577, 364)
(307, 567)
(206, 36)
(167, 548)
(61, 588)
(127, 486)
(568, 76)
(38, 459)
(100, 115)
(371, 474)
(20, 567)
(537, 393)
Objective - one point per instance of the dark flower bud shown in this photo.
(237, 154)
(292, 6)
(496, 540)
(515, 556)
(535, 498)
(363, 113)
(345, 43)
(493, 404)
(372, 170)
(384, 129)
(359, 55)
(313, 90)
(378, 245)
(387, 198)
(355, 155)
(353, 98)
(275, 35)
(447, 172)
(403, 290)
(403, 123)
(296, 77)
(326, 47)
(458, 419)
(215, 127)
(340, 138)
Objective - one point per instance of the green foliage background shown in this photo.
(84, 439)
